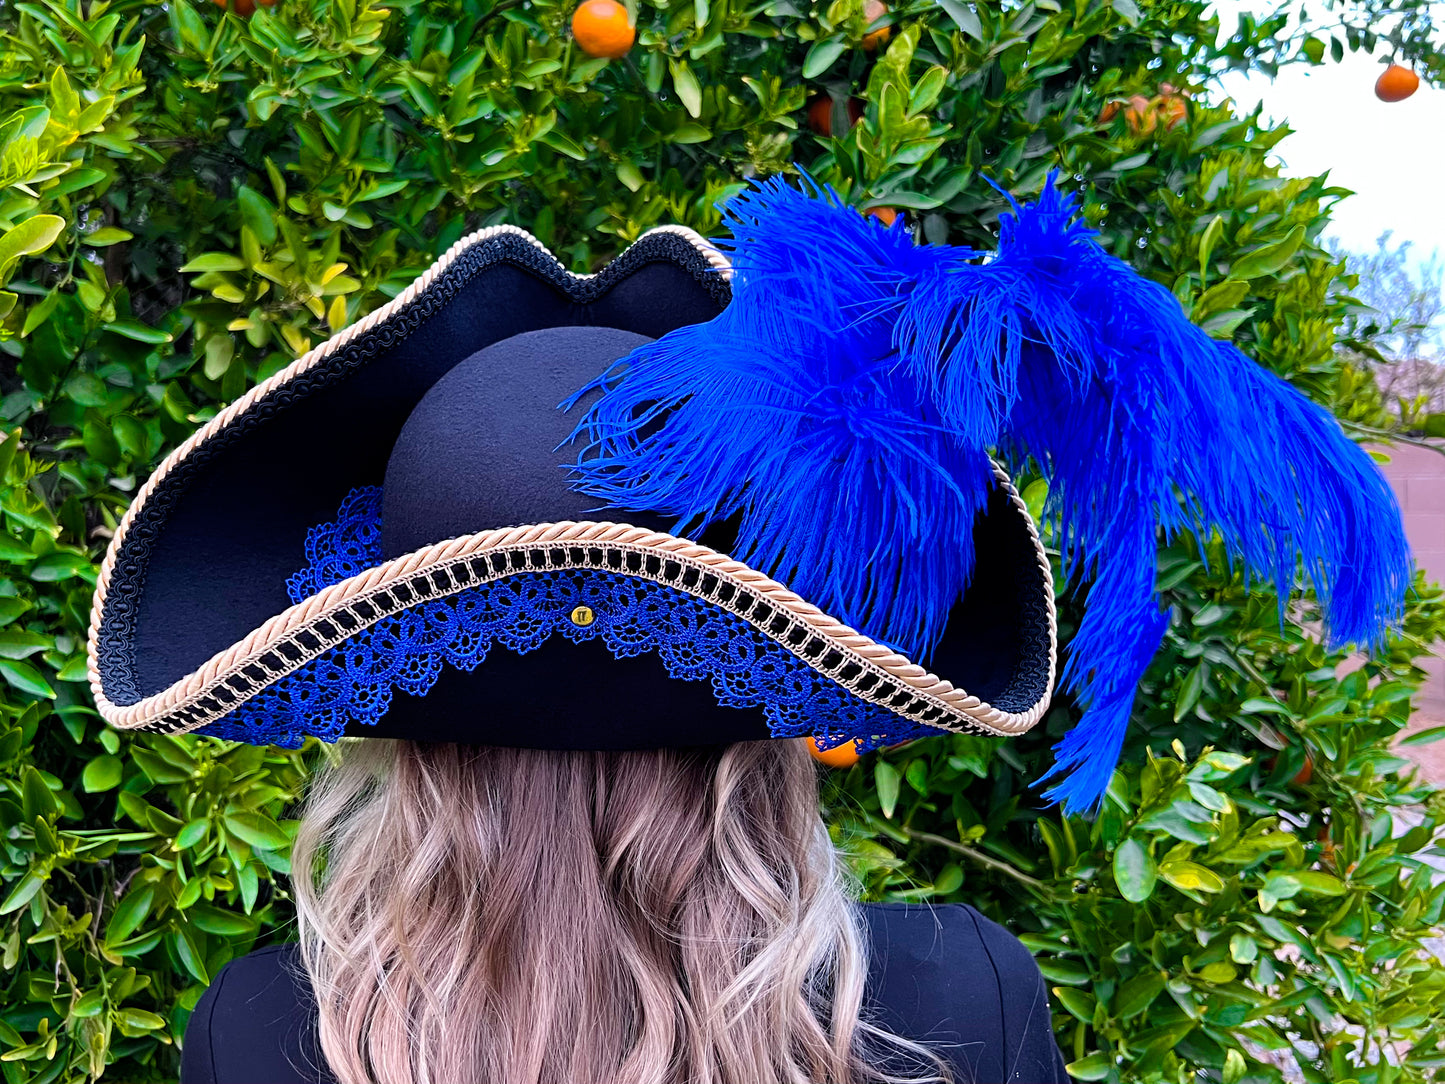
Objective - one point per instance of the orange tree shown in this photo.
(190, 199)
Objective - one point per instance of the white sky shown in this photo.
(1392, 155)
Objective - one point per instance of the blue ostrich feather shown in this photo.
(845, 482)
(844, 405)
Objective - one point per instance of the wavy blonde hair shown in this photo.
(482, 915)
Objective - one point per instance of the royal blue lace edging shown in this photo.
(696, 641)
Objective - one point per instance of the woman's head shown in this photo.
(510, 916)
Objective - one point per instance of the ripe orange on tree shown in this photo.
(1174, 110)
(1139, 116)
(820, 114)
(1143, 114)
(601, 28)
(873, 11)
(244, 8)
(840, 756)
(886, 215)
(1396, 83)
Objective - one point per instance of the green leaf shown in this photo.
(57, 566)
(1079, 1004)
(140, 1019)
(560, 141)
(220, 349)
(1268, 259)
(1134, 871)
(221, 923)
(1218, 973)
(32, 236)
(23, 892)
(258, 830)
(18, 644)
(691, 133)
(100, 774)
(105, 236)
(257, 213)
(886, 779)
(822, 56)
(1097, 1065)
(689, 92)
(964, 17)
(129, 913)
(630, 175)
(1065, 971)
(1191, 877)
(1127, 10)
(87, 389)
(949, 880)
(141, 333)
(1218, 298)
(40, 312)
(1189, 690)
(23, 676)
(1137, 994)
(1207, 241)
(1319, 884)
(37, 798)
(193, 833)
(214, 261)
(190, 954)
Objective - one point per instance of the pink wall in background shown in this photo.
(1418, 475)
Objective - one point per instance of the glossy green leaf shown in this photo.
(102, 773)
(258, 830)
(1134, 871)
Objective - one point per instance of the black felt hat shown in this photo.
(384, 540)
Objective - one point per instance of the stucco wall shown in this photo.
(1418, 475)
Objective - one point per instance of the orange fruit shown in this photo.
(820, 114)
(1396, 84)
(1300, 778)
(886, 215)
(1174, 111)
(1109, 112)
(601, 28)
(840, 756)
(873, 11)
(1139, 116)
(244, 8)
(1306, 773)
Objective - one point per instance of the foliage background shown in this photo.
(190, 200)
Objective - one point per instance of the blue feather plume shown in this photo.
(845, 482)
(843, 407)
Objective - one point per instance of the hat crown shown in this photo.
(485, 447)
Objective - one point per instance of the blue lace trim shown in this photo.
(697, 641)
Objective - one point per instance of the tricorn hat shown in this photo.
(385, 539)
(692, 499)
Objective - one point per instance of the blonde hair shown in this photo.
(483, 915)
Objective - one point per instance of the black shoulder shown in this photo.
(255, 1022)
(946, 975)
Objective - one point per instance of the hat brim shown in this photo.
(172, 655)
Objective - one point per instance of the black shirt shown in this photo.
(941, 975)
